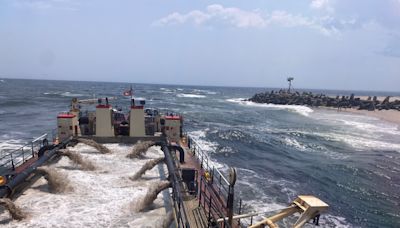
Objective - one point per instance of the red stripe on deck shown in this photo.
(26, 164)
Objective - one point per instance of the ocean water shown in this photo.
(352, 162)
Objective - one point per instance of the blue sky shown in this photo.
(333, 44)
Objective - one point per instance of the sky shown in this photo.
(323, 44)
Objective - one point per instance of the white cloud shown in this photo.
(240, 18)
(232, 16)
(325, 5)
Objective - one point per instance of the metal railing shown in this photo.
(217, 176)
(10, 160)
(207, 201)
(218, 184)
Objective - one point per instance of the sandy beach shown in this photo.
(392, 116)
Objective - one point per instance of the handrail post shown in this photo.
(209, 211)
(240, 210)
(201, 183)
(33, 154)
(201, 164)
(12, 161)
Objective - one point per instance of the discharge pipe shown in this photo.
(9, 188)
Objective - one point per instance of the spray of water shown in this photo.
(15, 212)
(77, 159)
(57, 182)
(140, 148)
(151, 195)
(102, 149)
(147, 166)
(168, 220)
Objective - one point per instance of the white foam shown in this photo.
(167, 91)
(328, 220)
(101, 198)
(205, 91)
(11, 144)
(303, 110)
(209, 147)
(294, 143)
(377, 127)
(69, 94)
(189, 95)
(359, 142)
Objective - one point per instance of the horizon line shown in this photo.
(224, 86)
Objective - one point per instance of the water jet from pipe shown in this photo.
(147, 166)
(169, 217)
(151, 195)
(77, 159)
(140, 148)
(15, 212)
(102, 149)
(57, 182)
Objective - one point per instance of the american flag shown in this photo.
(128, 92)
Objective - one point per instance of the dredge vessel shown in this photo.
(201, 194)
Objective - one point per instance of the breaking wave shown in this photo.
(302, 110)
(207, 146)
(189, 95)
(69, 94)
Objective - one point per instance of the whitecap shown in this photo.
(294, 143)
(204, 91)
(359, 142)
(69, 94)
(189, 95)
(206, 146)
(302, 110)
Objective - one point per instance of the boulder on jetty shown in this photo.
(283, 97)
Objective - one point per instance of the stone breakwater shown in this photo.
(322, 100)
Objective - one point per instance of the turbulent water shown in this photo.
(100, 198)
(350, 161)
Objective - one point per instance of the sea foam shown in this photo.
(302, 110)
(100, 198)
(189, 95)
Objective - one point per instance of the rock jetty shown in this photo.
(283, 97)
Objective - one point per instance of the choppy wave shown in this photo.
(358, 122)
(189, 95)
(294, 143)
(69, 94)
(360, 143)
(377, 127)
(303, 110)
(63, 94)
(267, 205)
(10, 145)
(167, 91)
(207, 146)
(202, 91)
